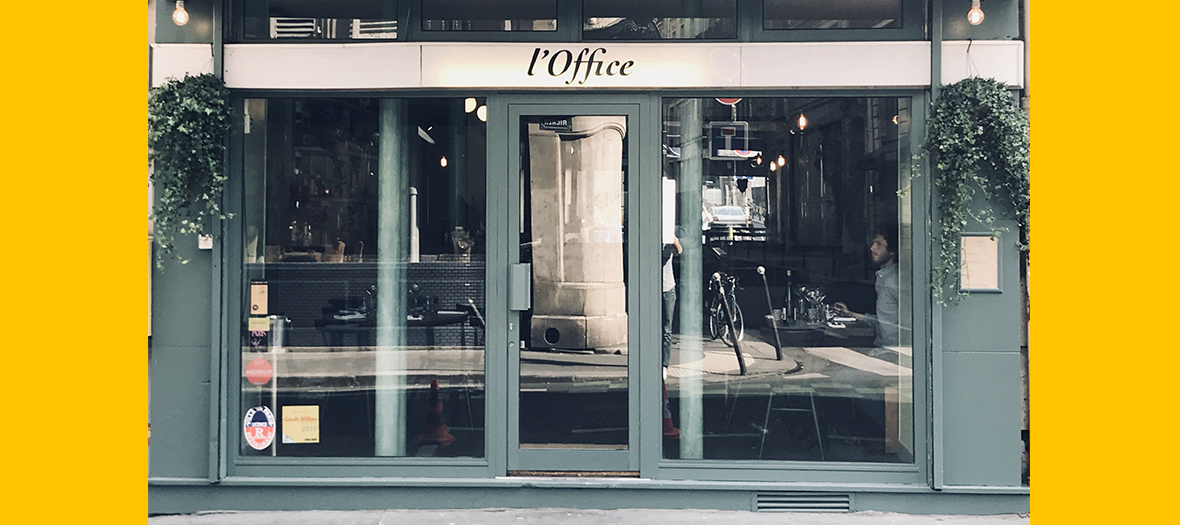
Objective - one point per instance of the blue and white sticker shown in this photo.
(259, 427)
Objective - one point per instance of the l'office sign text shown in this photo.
(562, 61)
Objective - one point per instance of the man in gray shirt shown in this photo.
(885, 321)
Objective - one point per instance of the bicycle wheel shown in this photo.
(717, 324)
(739, 324)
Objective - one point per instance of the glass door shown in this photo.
(572, 375)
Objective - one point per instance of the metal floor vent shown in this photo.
(801, 502)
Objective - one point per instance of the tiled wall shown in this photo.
(310, 292)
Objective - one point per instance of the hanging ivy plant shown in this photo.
(188, 121)
(979, 141)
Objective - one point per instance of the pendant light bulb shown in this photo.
(802, 122)
(180, 16)
(975, 15)
(442, 162)
(781, 161)
(773, 166)
(469, 105)
(482, 113)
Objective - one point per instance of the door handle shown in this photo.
(520, 287)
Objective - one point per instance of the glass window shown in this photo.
(489, 15)
(364, 278)
(787, 286)
(319, 19)
(658, 19)
(831, 14)
(573, 355)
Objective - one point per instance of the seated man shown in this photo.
(885, 321)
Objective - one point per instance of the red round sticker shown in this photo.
(729, 101)
(259, 427)
(259, 371)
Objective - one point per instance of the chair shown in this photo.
(334, 254)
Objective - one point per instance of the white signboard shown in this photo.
(570, 65)
(589, 66)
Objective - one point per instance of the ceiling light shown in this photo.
(180, 16)
(975, 15)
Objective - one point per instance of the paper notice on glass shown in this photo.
(258, 324)
(980, 263)
(258, 298)
(301, 424)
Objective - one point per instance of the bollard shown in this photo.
(778, 345)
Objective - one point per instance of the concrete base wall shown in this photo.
(173, 499)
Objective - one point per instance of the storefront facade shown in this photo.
(495, 255)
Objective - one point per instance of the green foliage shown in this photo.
(188, 121)
(979, 140)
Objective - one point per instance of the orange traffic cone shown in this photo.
(435, 428)
(670, 430)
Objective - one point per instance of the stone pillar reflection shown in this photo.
(392, 250)
(457, 166)
(576, 187)
(691, 288)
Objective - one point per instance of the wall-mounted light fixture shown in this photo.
(802, 122)
(469, 105)
(179, 15)
(482, 113)
(975, 15)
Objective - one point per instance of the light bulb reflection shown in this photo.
(975, 15)
(442, 162)
(781, 160)
(802, 122)
(180, 16)
(773, 166)
(469, 105)
(482, 113)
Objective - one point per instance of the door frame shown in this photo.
(504, 183)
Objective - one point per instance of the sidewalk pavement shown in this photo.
(573, 517)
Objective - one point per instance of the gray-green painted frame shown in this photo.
(569, 28)
(913, 474)
(503, 190)
(226, 462)
(639, 288)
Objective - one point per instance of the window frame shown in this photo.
(564, 33)
(235, 28)
(227, 366)
(655, 466)
(228, 462)
(915, 26)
